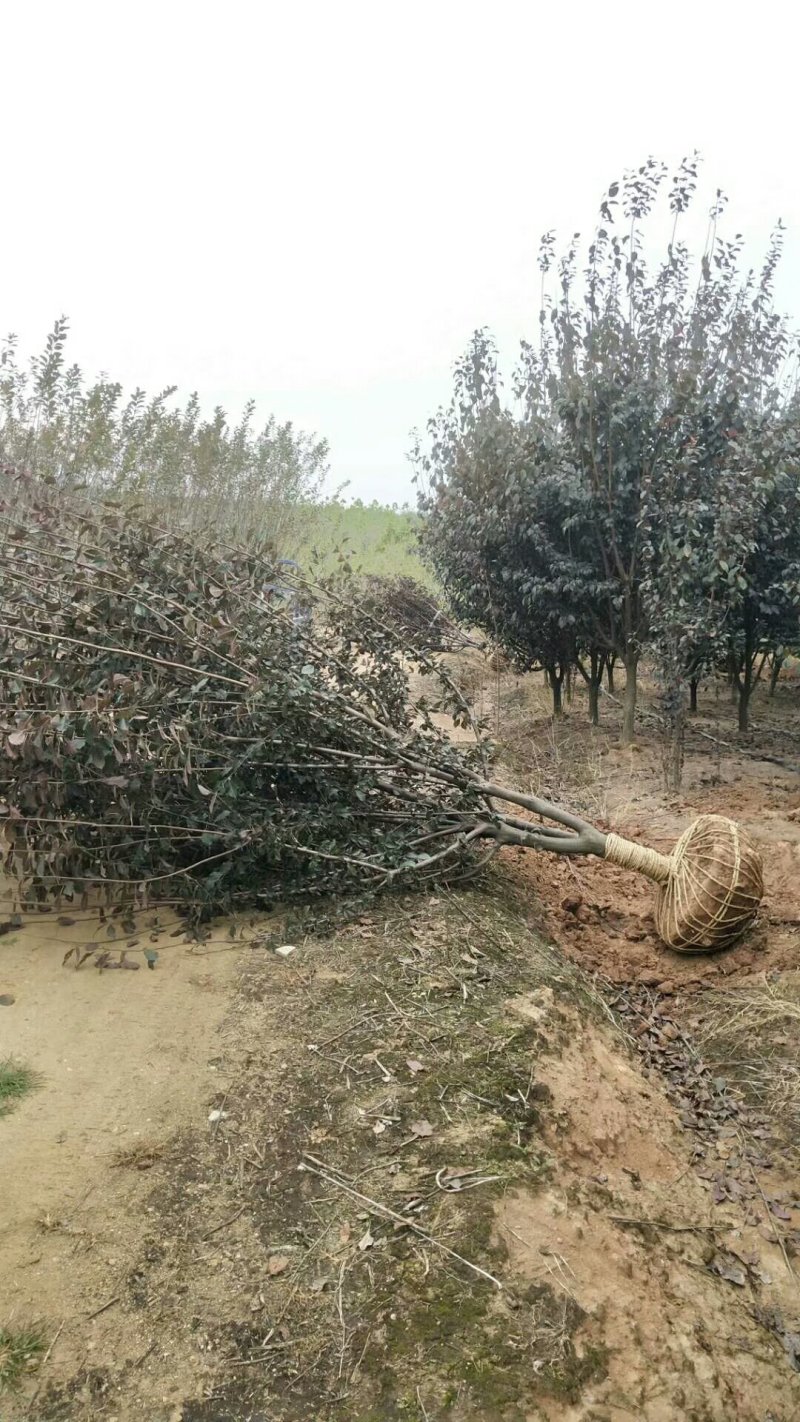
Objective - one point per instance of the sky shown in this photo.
(315, 204)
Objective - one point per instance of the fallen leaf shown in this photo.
(727, 1268)
(414, 1066)
(317, 1285)
(366, 1241)
(379, 1128)
(277, 1264)
(421, 1128)
(18, 738)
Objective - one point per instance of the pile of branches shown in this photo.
(170, 732)
(414, 613)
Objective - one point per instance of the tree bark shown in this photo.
(693, 683)
(594, 702)
(775, 671)
(629, 703)
(743, 691)
(555, 676)
(611, 658)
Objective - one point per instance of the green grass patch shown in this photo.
(20, 1350)
(16, 1080)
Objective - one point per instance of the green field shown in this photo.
(375, 539)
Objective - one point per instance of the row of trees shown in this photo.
(640, 491)
(152, 450)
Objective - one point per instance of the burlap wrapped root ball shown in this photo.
(710, 886)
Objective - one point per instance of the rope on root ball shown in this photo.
(711, 885)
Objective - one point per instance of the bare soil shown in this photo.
(464, 1158)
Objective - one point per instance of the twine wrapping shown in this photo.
(710, 886)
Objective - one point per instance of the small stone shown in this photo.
(667, 986)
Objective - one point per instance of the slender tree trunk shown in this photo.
(775, 671)
(594, 702)
(569, 684)
(611, 658)
(555, 676)
(733, 678)
(629, 702)
(693, 683)
(743, 690)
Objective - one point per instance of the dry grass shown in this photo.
(753, 1035)
(560, 760)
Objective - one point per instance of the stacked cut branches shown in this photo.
(170, 732)
(413, 612)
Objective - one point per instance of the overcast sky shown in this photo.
(315, 204)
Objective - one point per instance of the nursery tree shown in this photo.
(150, 449)
(622, 484)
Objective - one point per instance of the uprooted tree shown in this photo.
(172, 732)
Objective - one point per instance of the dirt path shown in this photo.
(124, 1059)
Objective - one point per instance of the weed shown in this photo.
(20, 1350)
(16, 1080)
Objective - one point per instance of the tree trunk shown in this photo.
(733, 678)
(594, 702)
(743, 691)
(629, 703)
(693, 682)
(610, 662)
(775, 671)
(569, 683)
(556, 679)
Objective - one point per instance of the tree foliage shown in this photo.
(148, 448)
(641, 490)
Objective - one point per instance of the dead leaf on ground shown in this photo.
(421, 1128)
(277, 1264)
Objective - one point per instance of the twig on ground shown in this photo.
(226, 1222)
(340, 1311)
(666, 1224)
(103, 1308)
(56, 1337)
(400, 1219)
(423, 1409)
